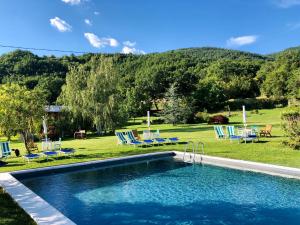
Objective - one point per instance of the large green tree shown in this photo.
(21, 111)
(92, 92)
(237, 77)
(294, 84)
(209, 95)
(281, 77)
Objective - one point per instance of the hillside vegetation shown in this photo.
(106, 86)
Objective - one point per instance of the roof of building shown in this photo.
(54, 108)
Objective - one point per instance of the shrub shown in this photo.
(257, 103)
(218, 119)
(157, 121)
(255, 111)
(291, 126)
(202, 117)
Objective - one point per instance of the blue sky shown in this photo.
(142, 26)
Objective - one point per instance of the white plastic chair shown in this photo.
(147, 135)
(57, 145)
(156, 134)
(46, 145)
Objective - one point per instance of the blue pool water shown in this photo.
(170, 192)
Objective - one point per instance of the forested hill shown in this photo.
(212, 54)
(276, 54)
(26, 63)
(209, 76)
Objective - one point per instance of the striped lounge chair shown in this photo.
(121, 138)
(5, 149)
(133, 141)
(231, 134)
(219, 132)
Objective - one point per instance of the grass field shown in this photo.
(267, 150)
(11, 213)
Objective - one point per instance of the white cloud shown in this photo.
(72, 2)
(287, 3)
(60, 24)
(94, 40)
(88, 22)
(100, 42)
(129, 43)
(112, 42)
(243, 40)
(128, 50)
(96, 13)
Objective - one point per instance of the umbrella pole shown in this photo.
(244, 117)
(148, 119)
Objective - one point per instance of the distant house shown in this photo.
(54, 111)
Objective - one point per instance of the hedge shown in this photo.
(257, 103)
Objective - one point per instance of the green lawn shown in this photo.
(11, 213)
(268, 150)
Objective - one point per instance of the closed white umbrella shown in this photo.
(148, 119)
(45, 130)
(244, 116)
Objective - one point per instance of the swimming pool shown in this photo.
(169, 191)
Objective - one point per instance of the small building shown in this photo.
(54, 111)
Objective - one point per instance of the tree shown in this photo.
(25, 63)
(294, 84)
(92, 92)
(210, 95)
(51, 86)
(281, 77)
(291, 126)
(21, 111)
(276, 82)
(175, 110)
(236, 77)
(134, 106)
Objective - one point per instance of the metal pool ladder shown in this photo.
(194, 147)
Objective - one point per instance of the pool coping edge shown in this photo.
(36, 207)
(124, 159)
(274, 170)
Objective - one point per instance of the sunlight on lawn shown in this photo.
(268, 150)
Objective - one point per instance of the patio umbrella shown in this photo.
(45, 130)
(244, 116)
(148, 119)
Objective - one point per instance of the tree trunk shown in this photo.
(156, 106)
(99, 129)
(25, 138)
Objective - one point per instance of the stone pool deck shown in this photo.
(36, 207)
